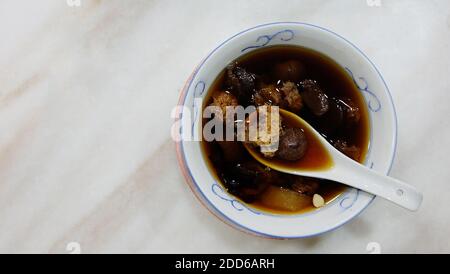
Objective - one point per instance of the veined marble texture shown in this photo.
(85, 99)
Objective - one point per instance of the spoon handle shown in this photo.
(396, 191)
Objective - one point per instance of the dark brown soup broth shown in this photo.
(247, 179)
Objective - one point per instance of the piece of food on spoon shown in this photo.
(266, 138)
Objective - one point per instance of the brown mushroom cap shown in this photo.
(293, 144)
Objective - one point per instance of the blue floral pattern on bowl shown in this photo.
(264, 40)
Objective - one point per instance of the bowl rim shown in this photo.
(189, 179)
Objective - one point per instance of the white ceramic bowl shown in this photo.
(383, 128)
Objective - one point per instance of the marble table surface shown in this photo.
(86, 159)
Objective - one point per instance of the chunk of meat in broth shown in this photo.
(242, 83)
(265, 138)
(286, 96)
(305, 185)
(328, 123)
(314, 97)
(268, 95)
(291, 70)
(223, 99)
(249, 180)
(292, 99)
(292, 145)
(350, 151)
(352, 112)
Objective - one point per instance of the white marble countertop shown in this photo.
(85, 100)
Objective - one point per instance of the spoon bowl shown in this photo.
(334, 165)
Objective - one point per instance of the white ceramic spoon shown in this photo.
(346, 171)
